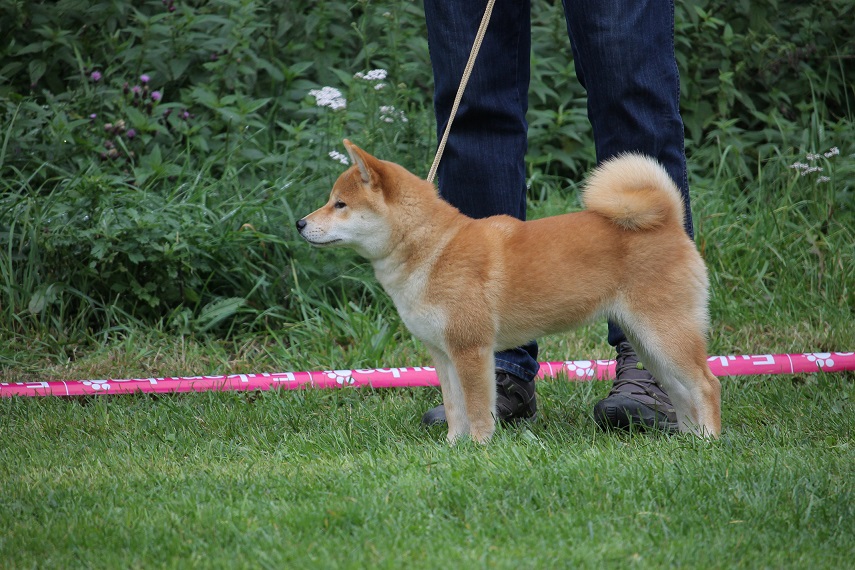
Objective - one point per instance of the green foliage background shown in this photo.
(187, 224)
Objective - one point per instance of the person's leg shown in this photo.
(624, 56)
(482, 171)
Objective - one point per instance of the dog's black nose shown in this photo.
(300, 225)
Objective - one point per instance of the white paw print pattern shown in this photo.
(581, 368)
(97, 384)
(342, 377)
(822, 359)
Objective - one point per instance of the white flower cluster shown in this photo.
(805, 169)
(389, 114)
(329, 97)
(335, 155)
(373, 75)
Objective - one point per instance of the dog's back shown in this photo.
(549, 274)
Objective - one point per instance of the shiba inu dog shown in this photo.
(626, 257)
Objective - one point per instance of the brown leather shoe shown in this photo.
(636, 398)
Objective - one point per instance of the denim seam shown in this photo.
(514, 369)
(689, 224)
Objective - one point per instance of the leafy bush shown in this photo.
(156, 154)
(754, 76)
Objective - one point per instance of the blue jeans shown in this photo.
(623, 51)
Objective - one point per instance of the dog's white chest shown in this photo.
(425, 321)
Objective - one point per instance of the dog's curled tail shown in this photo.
(635, 192)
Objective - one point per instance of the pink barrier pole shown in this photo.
(575, 370)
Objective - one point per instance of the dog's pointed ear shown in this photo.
(368, 166)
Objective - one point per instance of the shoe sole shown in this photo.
(629, 414)
(427, 422)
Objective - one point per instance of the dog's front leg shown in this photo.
(452, 395)
(475, 367)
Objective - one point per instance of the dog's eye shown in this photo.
(339, 205)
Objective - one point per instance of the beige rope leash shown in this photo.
(467, 71)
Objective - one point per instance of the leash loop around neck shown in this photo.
(467, 71)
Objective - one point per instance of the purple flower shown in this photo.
(144, 78)
(93, 116)
(131, 133)
(136, 89)
(186, 114)
(95, 76)
(156, 95)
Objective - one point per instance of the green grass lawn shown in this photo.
(348, 478)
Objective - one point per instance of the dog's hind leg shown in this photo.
(475, 367)
(680, 365)
(678, 360)
(452, 395)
